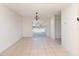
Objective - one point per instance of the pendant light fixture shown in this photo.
(36, 17)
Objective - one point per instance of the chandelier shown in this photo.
(36, 21)
(36, 17)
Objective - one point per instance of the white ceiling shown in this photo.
(29, 9)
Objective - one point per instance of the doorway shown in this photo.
(58, 27)
(38, 29)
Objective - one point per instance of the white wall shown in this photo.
(69, 29)
(10, 27)
(78, 26)
(52, 28)
(27, 25)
